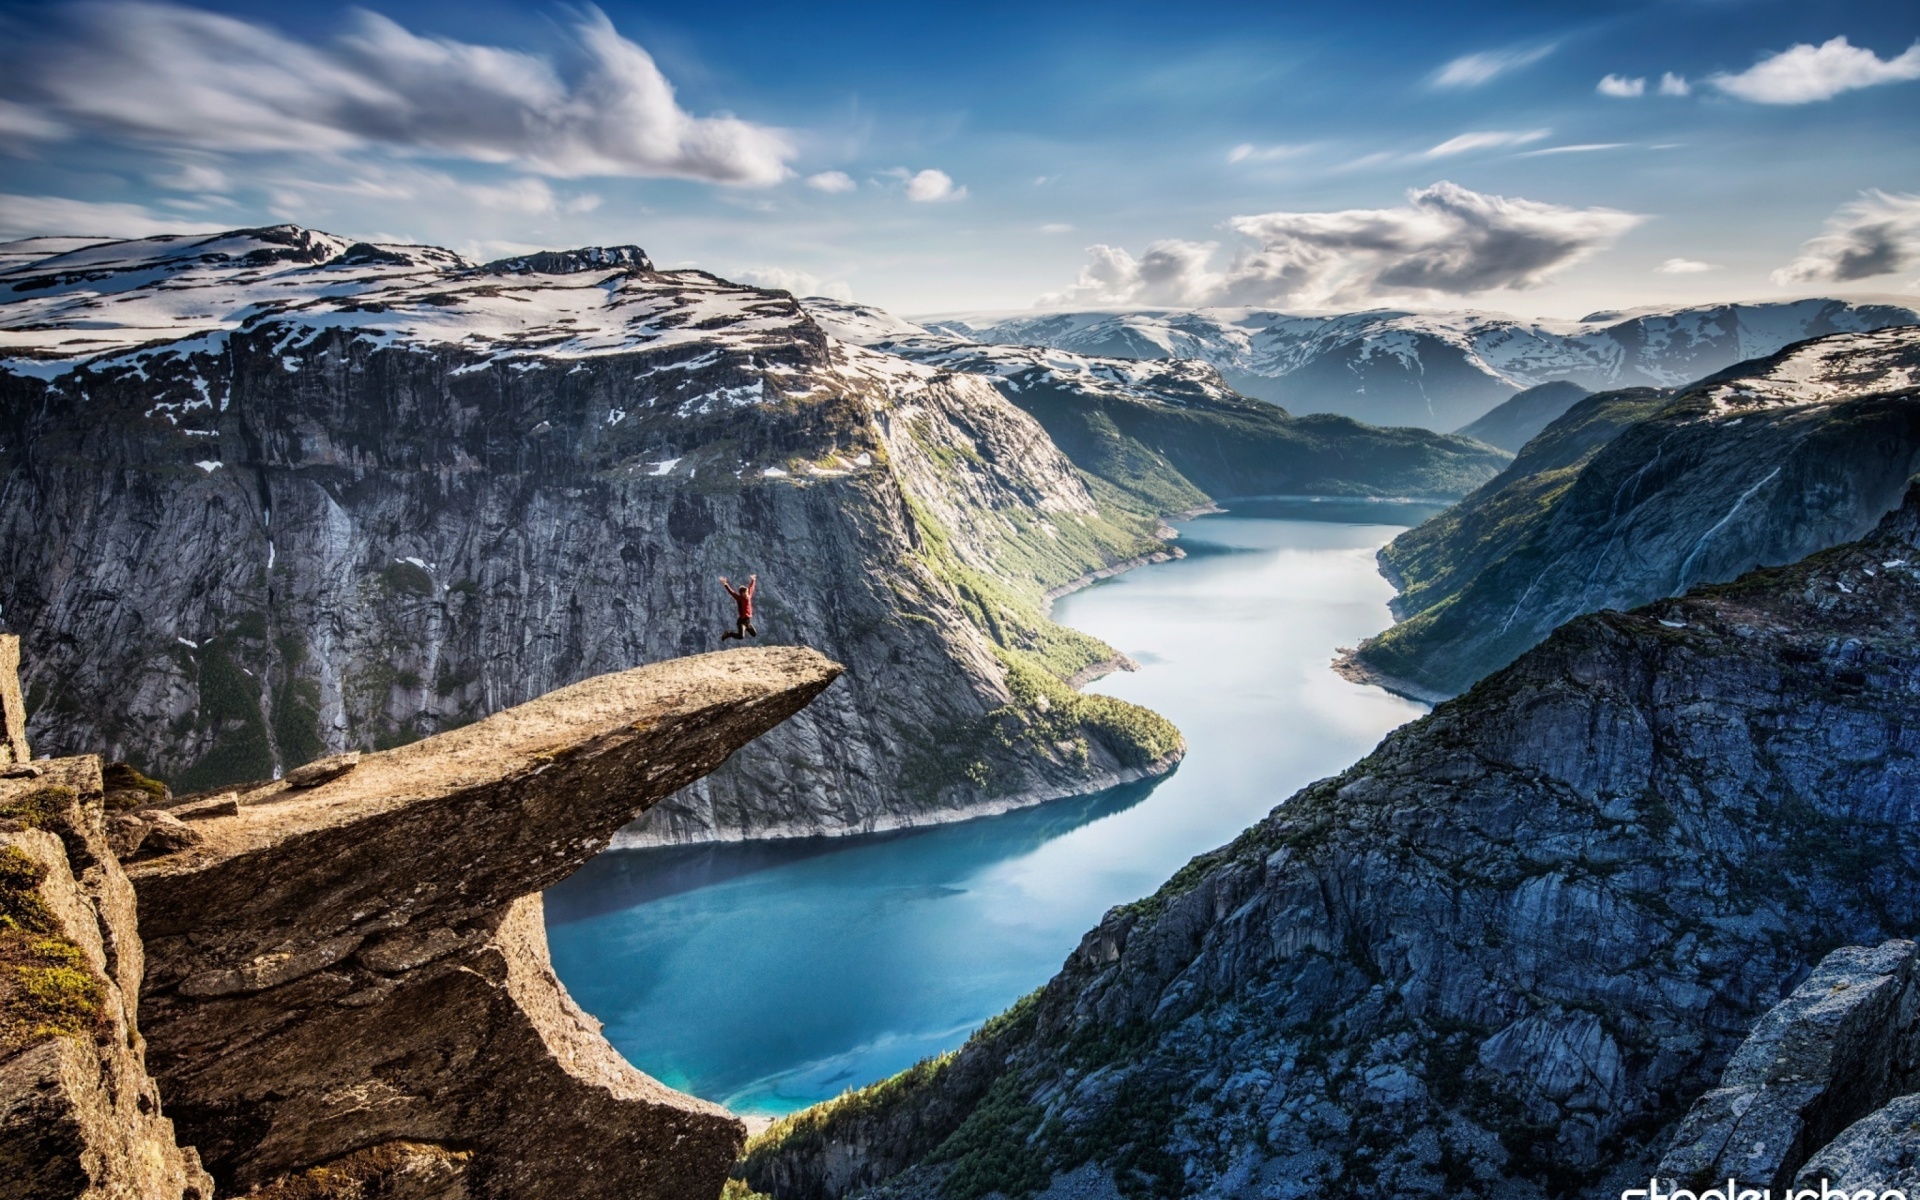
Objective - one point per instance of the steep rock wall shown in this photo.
(80, 1117)
(1499, 956)
(1625, 499)
(331, 529)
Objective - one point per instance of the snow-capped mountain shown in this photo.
(1171, 431)
(271, 493)
(1438, 370)
(63, 303)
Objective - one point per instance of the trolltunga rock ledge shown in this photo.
(355, 974)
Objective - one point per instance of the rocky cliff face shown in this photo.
(1821, 1094)
(342, 977)
(1170, 433)
(79, 1114)
(1634, 495)
(1500, 956)
(358, 959)
(267, 496)
(1438, 370)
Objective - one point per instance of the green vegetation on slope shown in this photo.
(1163, 454)
(1432, 562)
(47, 987)
(1043, 716)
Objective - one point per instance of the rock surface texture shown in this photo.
(1634, 495)
(353, 976)
(1839, 1048)
(80, 1118)
(1500, 956)
(13, 710)
(270, 496)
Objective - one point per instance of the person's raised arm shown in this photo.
(753, 581)
(728, 586)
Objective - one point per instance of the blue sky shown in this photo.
(994, 156)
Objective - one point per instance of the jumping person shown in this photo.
(742, 600)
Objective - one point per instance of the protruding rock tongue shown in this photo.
(363, 960)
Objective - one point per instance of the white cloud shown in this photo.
(1877, 234)
(1804, 73)
(1675, 85)
(32, 216)
(1472, 70)
(1620, 85)
(1056, 227)
(1684, 266)
(832, 182)
(800, 283)
(1446, 241)
(1484, 141)
(180, 76)
(932, 187)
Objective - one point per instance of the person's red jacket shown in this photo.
(743, 599)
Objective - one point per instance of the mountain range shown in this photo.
(1637, 494)
(1435, 370)
(273, 494)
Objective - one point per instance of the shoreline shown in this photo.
(1347, 665)
(1168, 554)
(991, 806)
(994, 806)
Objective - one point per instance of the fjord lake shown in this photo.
(768, 976)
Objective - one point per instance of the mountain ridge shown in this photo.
(1636, 494)
(1440, 370)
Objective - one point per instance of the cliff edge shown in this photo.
(346, 973)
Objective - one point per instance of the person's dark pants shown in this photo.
(742, 630)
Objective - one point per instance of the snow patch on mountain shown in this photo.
(1436, 369)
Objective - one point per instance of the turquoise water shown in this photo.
(770, 976)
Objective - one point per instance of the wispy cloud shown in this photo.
(161, 73)
(1621, 86)
(1056, 227)
(1248, 152)
(1675, 85)
(192, 177)
(1472, 70)
(1485, 140)
(1803, 73)
(1445, 241)
(1877, 234)
(832, 182)
(1582, 148)
(27, 216)
(1684, 266)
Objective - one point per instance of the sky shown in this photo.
(1539, 158)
